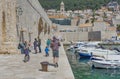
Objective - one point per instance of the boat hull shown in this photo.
(104, 64)
(84, 55)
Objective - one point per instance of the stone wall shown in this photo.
(8, 37)
(74, 36)
(29, 19)
(20, 21)
(108, 34)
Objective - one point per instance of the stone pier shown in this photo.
(12, 67)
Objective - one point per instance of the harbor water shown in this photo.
(82, 70)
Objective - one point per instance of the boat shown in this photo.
(76, 45)
(79, 45)
(89, 52)
(110, 61)
(106, 63)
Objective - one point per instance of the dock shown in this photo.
(13, 67)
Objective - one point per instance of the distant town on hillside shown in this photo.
(95, 24)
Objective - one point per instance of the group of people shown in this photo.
(25, 49)
(53, 43)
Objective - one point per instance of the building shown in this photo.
(62, 8)
(113, 5)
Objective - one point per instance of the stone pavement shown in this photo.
(13, 67)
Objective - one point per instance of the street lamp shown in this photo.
(19, 12)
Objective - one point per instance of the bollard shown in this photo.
(44, 66)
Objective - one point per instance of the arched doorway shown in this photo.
(45, 28)
(22, 36)
(40, 26)
(3, 27)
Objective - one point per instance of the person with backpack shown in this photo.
(55, 44)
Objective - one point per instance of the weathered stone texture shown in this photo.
(8, 26)
(20, 25)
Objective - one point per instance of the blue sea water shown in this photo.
(82, 70)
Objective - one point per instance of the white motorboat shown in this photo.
(76, 45)
(106, 64)
(89, 52)
(110, 61)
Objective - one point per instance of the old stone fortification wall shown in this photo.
(28, 22)
(29, 19)
(8, 39)
(19, 22)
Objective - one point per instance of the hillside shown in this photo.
(74, 4)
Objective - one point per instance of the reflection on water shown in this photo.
(82, 70)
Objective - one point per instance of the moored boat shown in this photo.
(89, 52)
(107, 61)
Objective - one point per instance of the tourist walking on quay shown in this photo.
(35, 43)
(46, 51)
(30, 46)
(48, 42)
(26, 52)
(55, 44)
(21, 46)
(39, 45)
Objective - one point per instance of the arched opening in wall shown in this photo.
(3, 27)
(45, 28)
(21, 36)
(29, 36)
(48, 29)
(40, 26)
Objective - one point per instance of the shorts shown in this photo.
(55, 53)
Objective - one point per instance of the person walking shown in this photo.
(35, 43)
(26, 52)
(21, 46)
(39, 45)
(48, 43)
(46, 51)
(55, 44)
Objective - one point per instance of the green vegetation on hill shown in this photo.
(74, 4)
